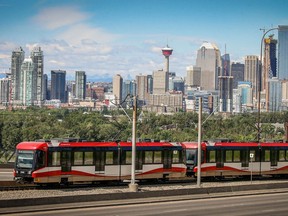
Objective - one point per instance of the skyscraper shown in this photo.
(282, 52)
(18, 56)
(225, 63)
(160, 82)
(58, 85)
(269, 66)
(193, 76)
(237, 72)
(250, 72)
(28, 83)
(142, 88)
(4, 90)
(38, 60)
(117, 88)
(80, 81)
(208, 59)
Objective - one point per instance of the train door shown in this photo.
(139, 160)
(219, 158)
(66, 161)
(274, 158)
(167, 159)
(244, 158)
(99, 161)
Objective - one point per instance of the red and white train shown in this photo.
(70, 161)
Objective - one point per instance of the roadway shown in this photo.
(262, 204)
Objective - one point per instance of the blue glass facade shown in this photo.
(58, 85)
(282, 52)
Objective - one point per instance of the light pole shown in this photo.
(260, 83)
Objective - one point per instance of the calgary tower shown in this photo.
(167, 51)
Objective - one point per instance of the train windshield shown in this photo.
(25, 159)
(190, 156)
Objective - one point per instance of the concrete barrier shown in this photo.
(141, 194)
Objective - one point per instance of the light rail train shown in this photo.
(69, 161)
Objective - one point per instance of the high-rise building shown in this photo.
(269, 66)
(237, 72)
(38, 60)
(28, 94)
(177, 84)
(245, 91)
(117, 88)
(226, 94)
(142, 88)
(58, 85)
(225, 63)
(80, 85)
(193, 78)
(17, 59)
(160, 82)
(4, 90)
(208, 59)
(251, 71)
(275, 95)
(282, 52)
(45, 87)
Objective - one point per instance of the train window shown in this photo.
(88, 158)
(78, 158)
(55, 159)
(286, 157)
(40, 159)
(267, 155)
(109, 158)
(157, 157)
(211, 156)
(176, 157)
(148, 157)
(228, 156)
(128, 157)
(281, 155)
(236, 156)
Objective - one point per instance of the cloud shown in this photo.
(57, 17)
(81, 33)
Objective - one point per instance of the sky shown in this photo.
(108, 37)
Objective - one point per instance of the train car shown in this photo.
(71, 161)
(242, 159)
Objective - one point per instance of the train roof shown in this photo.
(248, 144)
(151, 144)
(32, 146)
(88, 144)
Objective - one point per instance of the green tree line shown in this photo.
(36, 123)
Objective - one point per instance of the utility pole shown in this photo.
(133, 186)
(199, 143)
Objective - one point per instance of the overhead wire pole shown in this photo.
(199, 143)
(133, 186)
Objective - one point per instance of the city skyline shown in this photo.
(104, 38)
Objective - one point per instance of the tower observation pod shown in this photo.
(167, 51)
